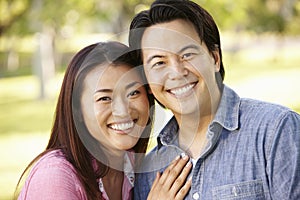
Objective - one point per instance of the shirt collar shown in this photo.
(226, 115)
(169, 133)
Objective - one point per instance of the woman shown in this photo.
(101, 128)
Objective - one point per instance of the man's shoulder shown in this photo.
(148, 162)
(254, 105)
(269, 115)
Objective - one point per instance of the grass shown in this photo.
(273, 80)
(25, 121)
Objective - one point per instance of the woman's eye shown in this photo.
(104, 99)
(133, 93)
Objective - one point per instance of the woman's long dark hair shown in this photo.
(65, 134)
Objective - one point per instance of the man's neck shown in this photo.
(193, 127)
(192, 135)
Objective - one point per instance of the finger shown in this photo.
(184, 190)
(175, 171)
(181, 179)
(156, 180)
(155, 188)
(166, 172)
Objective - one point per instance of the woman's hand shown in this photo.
(172, 183)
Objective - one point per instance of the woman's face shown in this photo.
(115, 106)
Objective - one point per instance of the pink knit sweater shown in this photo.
(53, 177)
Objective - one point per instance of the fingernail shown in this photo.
(188, 164)
(184, 156)
(177, 158)
(190, 178)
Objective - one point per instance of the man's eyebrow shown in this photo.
(152, 57)
(191, 46)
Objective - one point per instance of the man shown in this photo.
(240, 148)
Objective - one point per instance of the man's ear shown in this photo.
(216, 57)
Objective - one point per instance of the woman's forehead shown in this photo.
(110, 75)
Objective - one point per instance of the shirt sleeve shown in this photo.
(52, 181)
(283, 164)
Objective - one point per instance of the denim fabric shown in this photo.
(253, 153)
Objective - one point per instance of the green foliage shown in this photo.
(19, 17)
(259, 16)
(12, 14)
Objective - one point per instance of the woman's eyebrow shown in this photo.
(103, 90)
(110, 90)
(132, 84)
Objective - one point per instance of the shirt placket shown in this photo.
(213, 135)
(197, 180)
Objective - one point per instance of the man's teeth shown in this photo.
(122, 126)
(182, 90)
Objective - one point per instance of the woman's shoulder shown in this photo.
(53, 175)
(54, 162)
(54, 157)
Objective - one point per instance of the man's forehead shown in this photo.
(164, 39)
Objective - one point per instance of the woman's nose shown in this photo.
(120, 107)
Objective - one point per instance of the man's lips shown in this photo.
(179, 91)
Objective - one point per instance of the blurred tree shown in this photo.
(55, 20)
(12, 11)
(259, 16)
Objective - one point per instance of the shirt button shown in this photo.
(196, 196)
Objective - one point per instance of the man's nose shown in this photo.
(177, 68)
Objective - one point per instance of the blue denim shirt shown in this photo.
(253, 153)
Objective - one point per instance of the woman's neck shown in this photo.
(115, 159)
(113, 183)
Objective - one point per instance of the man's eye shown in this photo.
(187, 56)
(104, 99)
(133, 93)
(158, 64)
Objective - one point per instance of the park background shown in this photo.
(260, 40)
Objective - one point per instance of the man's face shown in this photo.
(179, 68)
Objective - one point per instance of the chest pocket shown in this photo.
(245, 190)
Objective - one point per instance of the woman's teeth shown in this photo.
(122, 126)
